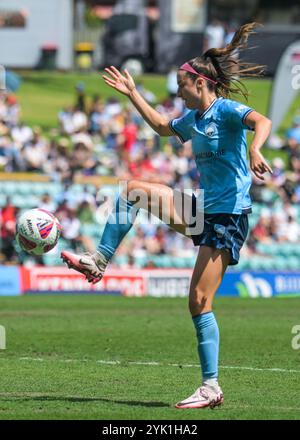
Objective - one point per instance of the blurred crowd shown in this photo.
(97, 137)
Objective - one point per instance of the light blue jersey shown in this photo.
(220, 150)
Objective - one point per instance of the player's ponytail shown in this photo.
(223, 67)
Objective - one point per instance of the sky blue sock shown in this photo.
(119, 223)
(208, 344)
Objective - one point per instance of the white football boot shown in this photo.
(92, 266)
(203, 397)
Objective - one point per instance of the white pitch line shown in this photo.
(158, 364)
(275, 370)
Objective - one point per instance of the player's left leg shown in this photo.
(209, 270)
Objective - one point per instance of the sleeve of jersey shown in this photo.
(237, 113)
(181, 127)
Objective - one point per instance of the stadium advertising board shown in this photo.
(60, 279)
(260, 284)
(168, 282)
(9, 281)
(146, 282)
(157, 282)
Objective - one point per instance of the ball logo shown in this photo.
(29, 226)
(210, 130)
(45, 228)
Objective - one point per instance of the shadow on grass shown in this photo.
(75, 399)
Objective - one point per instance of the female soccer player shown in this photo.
(217, 127)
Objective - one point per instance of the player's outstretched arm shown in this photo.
(125, 84)
(262, 127)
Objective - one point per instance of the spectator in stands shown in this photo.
(293, 134)
(96, 119)
(230, 30)
(137, 244)
(12, 112)
(34, 151)
(57, 164)
(105, 205)
(147, 94)
(82, 159)
(8, 215)
(85, 212)
(261, 232)
(47, 203)
(65, 119)
(172, 86)
(156, 244)
(289, 231)
(296, 194)
(80, 97)
(128, 138)
(71, 231)
(278, 177)
(21, 134)
(214, 35)
(129, 263)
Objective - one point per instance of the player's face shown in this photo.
(188, 90)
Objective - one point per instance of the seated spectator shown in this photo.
(129, 135)
(85, 213)
(47, 203)
(65, 119)
(293, 134)
(57, 164)
(96, 120)
(82, 159)
(137, 244)
(172, 86)
(105, 206)
(278, 176)
(13, 111)
(71, 228)
(261, 232)
(21, 134)
(8, 215)
(80, 97)
(146, 94)
(34, 152)
(289, 231)
(156, 245)
(130, 264)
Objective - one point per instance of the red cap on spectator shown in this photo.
(11, 99)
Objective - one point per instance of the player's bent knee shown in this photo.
(199, 301)
(130, 186)
(135, 193)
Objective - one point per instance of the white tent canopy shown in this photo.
(286, 84)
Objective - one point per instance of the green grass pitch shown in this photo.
(109, 358)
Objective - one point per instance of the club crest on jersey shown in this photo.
(211, 129)
(45, 228)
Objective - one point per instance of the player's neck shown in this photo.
(206, 102)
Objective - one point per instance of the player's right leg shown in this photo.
(209, 270)
(160, 200)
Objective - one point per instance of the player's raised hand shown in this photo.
(122, 83)
(259, 165)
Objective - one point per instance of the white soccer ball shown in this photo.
(38, 231)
